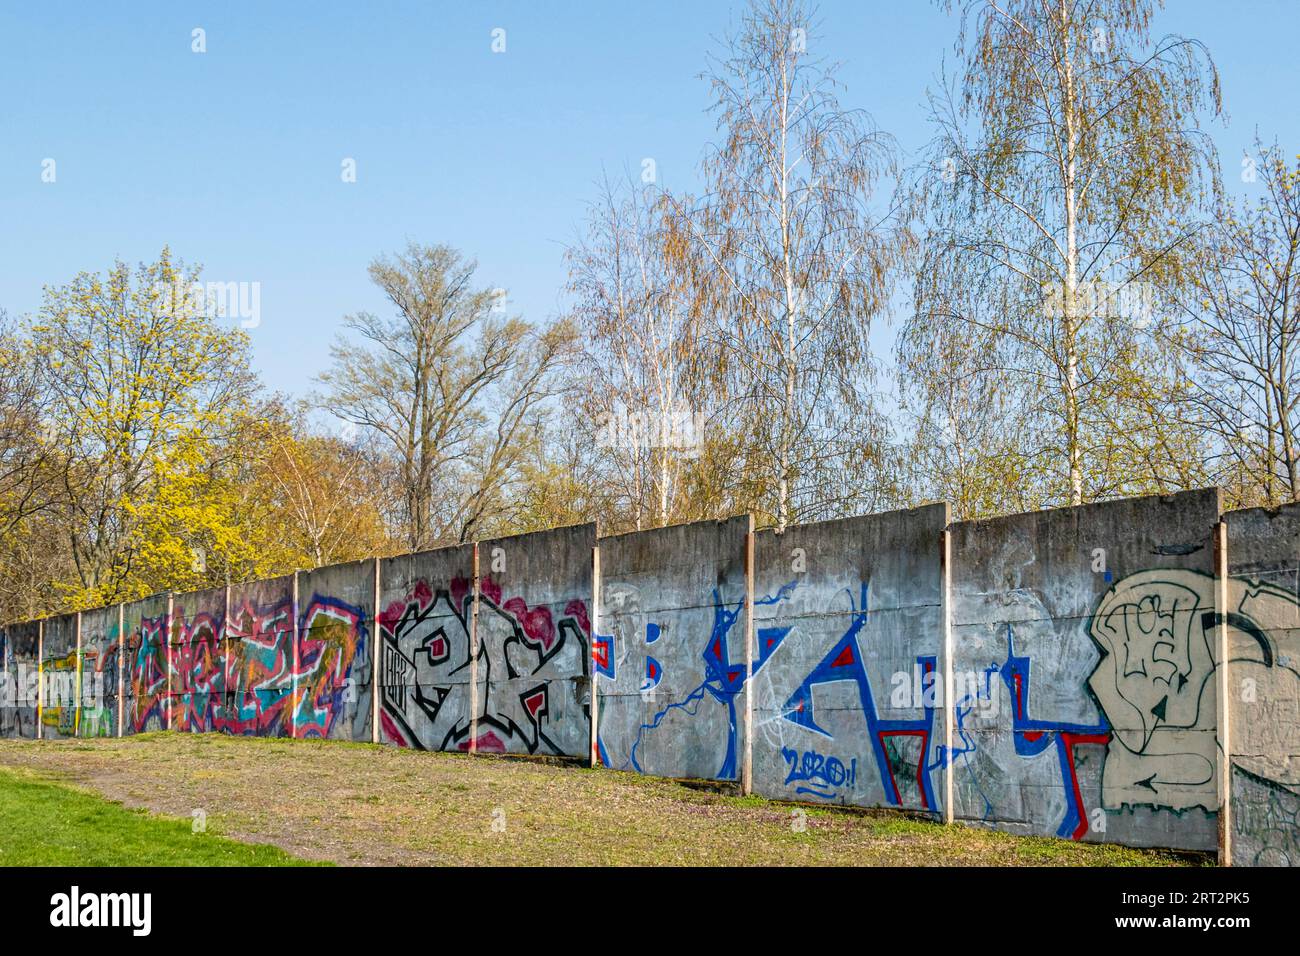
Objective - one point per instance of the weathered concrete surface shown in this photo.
(332, 671)
(426, 691)
(259, 659)
(847, 683)
(1085, 705)
(100, 668)
(670, 650)
(21, 684)
(1264, 684)
(197, 645)
(59, 677)
(534, 636)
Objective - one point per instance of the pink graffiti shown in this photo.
(488, 743)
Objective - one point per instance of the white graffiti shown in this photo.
(1156, 683)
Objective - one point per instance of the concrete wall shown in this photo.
(1085, 699)
(1263, 618)
(534, 637)
(100, 670)
(145, 676)
(849, 636)
(59, 677)
(8, 688)
(1125, 672)
(259, 659)
(670, 650)
(21, 667)
(333, 680)
(427, 693)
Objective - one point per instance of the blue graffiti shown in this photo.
(962, 709)
(844, 663)
(819, 775)
(654, 673)
(1030, 735)
(723, 678)
(602, 655)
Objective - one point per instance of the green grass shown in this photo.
(47, 824)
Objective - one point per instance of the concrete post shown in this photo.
(171, 667)
(121, 667)
(747, 749)
(76, 683)
(946, 650)
(293, 691)
(594, 755)
(226, 696)
(376, 653)
(1223, 689)
(473, 659)
(40, 679)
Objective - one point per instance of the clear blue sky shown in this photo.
(233, 156)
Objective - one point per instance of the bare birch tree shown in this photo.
(969, 431)
(29, 488)
(1064, 182)
(639, 312)
(1242, 337)
(791, 226)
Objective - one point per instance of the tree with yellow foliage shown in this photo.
(142, 386)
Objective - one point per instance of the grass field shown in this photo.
(48, 824)
(364, 804)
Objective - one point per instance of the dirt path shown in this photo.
(361, 804)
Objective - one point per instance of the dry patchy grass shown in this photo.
(364, 804)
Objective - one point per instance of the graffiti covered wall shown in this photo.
(848, 638)
(259, 659)
(197, 648)
(1084, 699)
(59, 677)
(332, 680)
(427, 692)
(100, 668)
(144, 678)
(534, 639)
(8, 687)
(669, 651)
(1263, 618)
(19, 692)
